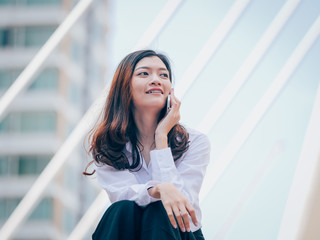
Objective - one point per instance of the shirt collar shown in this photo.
(129, 147)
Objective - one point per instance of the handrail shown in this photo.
(34, 194)
(26, 77)
(261, 108)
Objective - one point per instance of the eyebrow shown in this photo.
(143, 67)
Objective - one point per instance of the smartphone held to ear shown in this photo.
(168, 103)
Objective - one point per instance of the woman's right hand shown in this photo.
(175, 204)
(168, 122)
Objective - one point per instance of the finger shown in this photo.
(176, 212)
(192, 214)
(175, 104)
(171, 216)
(185, 217)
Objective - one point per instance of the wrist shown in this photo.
(161, 141)
(154, 192)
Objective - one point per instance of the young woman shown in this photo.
(151, 167)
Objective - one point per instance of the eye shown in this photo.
(164, 75)
(143, 74)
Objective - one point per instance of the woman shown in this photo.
(151, 167)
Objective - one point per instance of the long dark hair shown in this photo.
(109, 137)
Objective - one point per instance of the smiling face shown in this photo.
(150, 84)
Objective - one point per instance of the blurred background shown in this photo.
(247, 73)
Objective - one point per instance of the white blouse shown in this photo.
(186, 174)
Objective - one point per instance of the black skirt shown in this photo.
(125, 220)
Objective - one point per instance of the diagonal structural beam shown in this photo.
(158, 24)
(33, 196)
(261, 108)
(263, 170)
(90, 217)
(293, 219)
(26, 77)
(210, 47)
(247, 67)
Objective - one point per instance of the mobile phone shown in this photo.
(168, 103)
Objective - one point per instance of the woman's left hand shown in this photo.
(168, 122)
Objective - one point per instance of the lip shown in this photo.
(155, 89)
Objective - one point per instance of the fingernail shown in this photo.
(188, 229)
(183, 229)
(197, 224)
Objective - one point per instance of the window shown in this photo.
(29, 2)
(29, 165)
(6, 36)
(23, 165)
(29, 36)
(29, 122)
(7, 206)
(37, 36)
(48, 79)
(44, 210)
(8, 77)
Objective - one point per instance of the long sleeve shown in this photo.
(187, 173)
(123, 185)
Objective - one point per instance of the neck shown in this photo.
(146, 123)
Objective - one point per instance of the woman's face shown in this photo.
(150, 84)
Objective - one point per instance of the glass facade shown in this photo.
(29, 2)
(29, 122)
(27, 36)
(48, 79)
(23, 164)
(44, 210)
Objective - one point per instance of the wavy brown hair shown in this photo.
(109, 137)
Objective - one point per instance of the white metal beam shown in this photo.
(26, 77)
(292, 220)
(260, 109)
(263, 170)
(247, 67)
(158, 24)
(210, 47)
(91, 216)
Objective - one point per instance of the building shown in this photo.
(42, 117)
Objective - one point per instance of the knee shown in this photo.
(155, 206)
(156, 209)
(123, 207)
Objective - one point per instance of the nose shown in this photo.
(155, 80)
